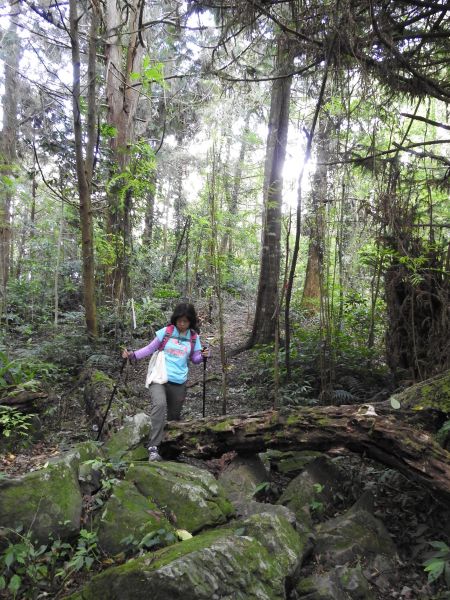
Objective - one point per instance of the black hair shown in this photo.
(184, 309)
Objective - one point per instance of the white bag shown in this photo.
(156, 372)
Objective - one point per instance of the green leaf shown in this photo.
(183, 534)
(440, 546)
(2, 582)
(9, 559)
(14, 584)
(434, 568)
(395, 403)
(261, 487)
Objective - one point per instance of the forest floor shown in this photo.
(410, 513)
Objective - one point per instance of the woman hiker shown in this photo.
(180, 342)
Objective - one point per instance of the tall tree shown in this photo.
(264, 323)
(11, 56)
(123, 52)
(312, 289)
(85, 164)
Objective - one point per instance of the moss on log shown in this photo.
(384, 438)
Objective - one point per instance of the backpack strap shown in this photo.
(169, 333)
(194, 336)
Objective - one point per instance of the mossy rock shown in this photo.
(89, 472)
(342, 583)
(283, 542)
(139, 454)
(47, 502)
(214, 565)
(80, 453)
(241, 477)
(194, 498)
(127, 513)
(252, 507)
(320, 587)
(356, 535)
(313, 489)
(290, 463)
(355, 584)
(432, 393)
(80, 460)
(134, 432)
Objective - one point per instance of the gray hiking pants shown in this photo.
(167, 401)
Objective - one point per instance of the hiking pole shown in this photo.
(204, 381)
(113, 393)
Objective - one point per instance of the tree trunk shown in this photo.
(264, 324)
(85, 166)
(385, 439)
(311, 289)
(149, 217)
(298, 219)
(8, 151)
(227, 241)
(216, 268)
(179, 203)
(417, 290)
(122, 99)
(314, 275)
(57, 266)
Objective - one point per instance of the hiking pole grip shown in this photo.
(113, 393)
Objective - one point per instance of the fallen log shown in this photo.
(23, 400)
(384, 438)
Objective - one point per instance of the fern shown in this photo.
(340, 397)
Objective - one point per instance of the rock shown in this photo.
(342, 583)
(247, 509)
(241, 477)
(85, 460)
(134, 433)
(283, 542)
(355, 535)
(127, 513)
(319, 587)
(47, 502)
(215, 565)
(139, 454)
(433, 393)
(194, 497)
(100, 361)
(314, 487)
(353, 581)
(289, 463)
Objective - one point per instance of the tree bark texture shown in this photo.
(149, 216)
(123, 55)
(418, 332)
(311, 290)
(313, 278)
(264, 324)
(84, 167)
(227, 241)
(11, 46)
(385, 439)
(417, 290)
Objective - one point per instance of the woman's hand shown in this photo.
(205, 352)
(126, 355)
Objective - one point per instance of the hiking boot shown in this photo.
(153, 454)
